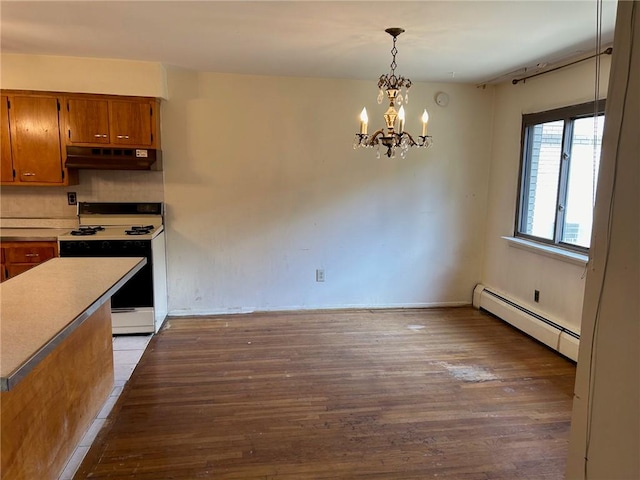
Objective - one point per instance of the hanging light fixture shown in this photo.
(392, 85)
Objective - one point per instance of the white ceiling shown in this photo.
(463, 41)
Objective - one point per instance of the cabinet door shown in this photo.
(6, 161)
(87, 120)
(3, 268)
(131, 123)
(35, 139)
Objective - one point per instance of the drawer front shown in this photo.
(30, 254)
(13, 270)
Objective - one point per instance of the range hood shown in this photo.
(97, 158)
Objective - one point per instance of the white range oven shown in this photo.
(126, 230)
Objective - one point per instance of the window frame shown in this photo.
(529, 120)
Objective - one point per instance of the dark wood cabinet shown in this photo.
(112, 121)
(132, 123)
(3, 268)
(37, 127)
(18, 257)
(6, 160)
(35, 139)
(87, 121)
(32, 147)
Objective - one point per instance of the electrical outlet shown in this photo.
(536, 296)
(72, 198)
(320, 275)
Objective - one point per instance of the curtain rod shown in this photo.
(608, 51)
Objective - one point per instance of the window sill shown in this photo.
(548, 251)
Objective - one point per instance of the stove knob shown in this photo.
(105, 245)
(127, 244)
(138, 244)
(83, 245)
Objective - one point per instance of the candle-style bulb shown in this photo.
(363, 115)
(364, 120)
(401, 119)
(425, 119)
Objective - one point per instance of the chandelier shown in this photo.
(393, 86)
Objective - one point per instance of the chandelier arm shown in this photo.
(373, 139)
(412, 142)
(425, 141)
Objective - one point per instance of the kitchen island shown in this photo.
(56, 359)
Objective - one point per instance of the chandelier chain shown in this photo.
(394, 51)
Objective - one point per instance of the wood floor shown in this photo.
(392, 394)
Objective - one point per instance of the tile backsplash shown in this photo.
(94, 186)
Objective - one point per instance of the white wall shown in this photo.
(262, 187)
(88, 75)
(82, 75)
(516, 272)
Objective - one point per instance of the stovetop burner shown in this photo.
(87, 230)
(139, 230)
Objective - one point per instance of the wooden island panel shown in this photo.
(56, 359)
(45, 415)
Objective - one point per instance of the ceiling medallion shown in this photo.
(393, 86)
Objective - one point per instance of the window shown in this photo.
(559, 174)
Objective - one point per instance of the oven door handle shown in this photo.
(122, 310)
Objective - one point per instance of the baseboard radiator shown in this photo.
(542, 329)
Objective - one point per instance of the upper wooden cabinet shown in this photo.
(32, 149)
(6, 160)
(132, 123)
(37, 128)
(87, 121)
(112, 121)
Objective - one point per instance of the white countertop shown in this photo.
(41, 306)
(35, 229)
(32, 234)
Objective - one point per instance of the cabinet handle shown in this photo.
(31, 254)
(123, 136)
(28, 174)
(100, 135)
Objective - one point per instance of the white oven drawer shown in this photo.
(139, 320)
